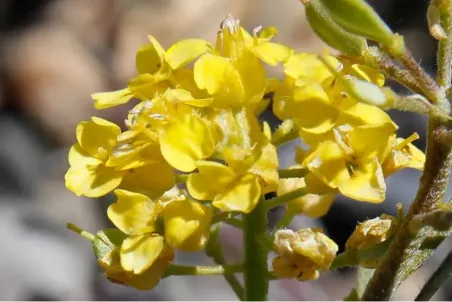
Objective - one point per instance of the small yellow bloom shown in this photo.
(372, 232)
(138, 216)
(303, 254)
(227, 190)
(187, 224)
(147, 280)
(88, 174)
(352, 163)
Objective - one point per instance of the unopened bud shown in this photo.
(372, 232)
(303, 254)
(358, 17)
(330, 32)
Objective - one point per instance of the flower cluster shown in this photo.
(197, 124)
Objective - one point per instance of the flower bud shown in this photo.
(367, 92)
(330, 32)
(358, 17)
(371, 232)
(106, 246)
(303, 254)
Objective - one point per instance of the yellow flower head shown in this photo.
(138, 217)
(187, 224)
(372, 232)
(352, 163)
(88, 174)
(303, 254)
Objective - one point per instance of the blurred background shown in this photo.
(55, 53)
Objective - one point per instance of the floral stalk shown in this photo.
(255, 264)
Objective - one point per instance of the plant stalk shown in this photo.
(255, 262)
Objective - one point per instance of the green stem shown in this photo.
(373, 57)
(444, 54)
(201, 270)
(439, 277)
(255, 264)
(280, 200)
(84, 234)
(428, 86)
(407, 252)
(292, 173)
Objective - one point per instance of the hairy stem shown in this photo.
(407, 253)
(444, 54)
(373, 57)
(255, 264)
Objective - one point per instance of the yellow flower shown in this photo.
(303, 254)
(228, 190)
(352, 163)
(88, 174)
(306, 68)
(152, 70)
(404, 155)
(187, 224)
(237, 186)
(317, 200)
(147, 280)
(259, 44)
(138, 217)
(106, 246)
(372, 232)
(183, 136)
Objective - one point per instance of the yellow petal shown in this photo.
(133, 213)
(212, 179)
(109, 99)
(372, 140)
(267, 168)
(146, 86)
(148, 59)
(97, 137)
(308, 68)
(272, 53)
(217, 75)
(92, 182)
(187, 225)
(328, 163)
(253, 77)
(243, 196)
(366, 184)
(363, 114)
(310, 108)
(152, 179)
(185, 141)
(184, 96)
(138, 253)
(80, 158)
(185, 51)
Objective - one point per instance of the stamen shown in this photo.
(407, 141)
